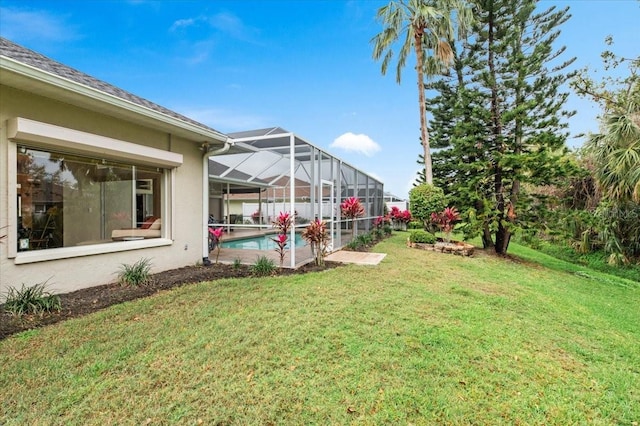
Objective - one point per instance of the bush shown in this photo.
(31, 300)
(414, 224)
(237, 263)
(421, 236)
(263, 266)
(317, 235)
(136, 274)
(426, 199)
(361, 242)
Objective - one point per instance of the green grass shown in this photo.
(423, 338)
(594, 260)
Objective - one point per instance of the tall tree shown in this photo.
(508, 115)
(426, 28)
(616, 150)
(615, 153)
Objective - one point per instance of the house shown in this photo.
(94, 177)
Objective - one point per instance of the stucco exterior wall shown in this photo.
(65, 275)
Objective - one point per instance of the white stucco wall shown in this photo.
(65, 275)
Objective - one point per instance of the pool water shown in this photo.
(262, 242)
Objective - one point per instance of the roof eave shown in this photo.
(144, 114)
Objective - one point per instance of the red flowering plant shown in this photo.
(283, 223)
(256, 216)
(380, 221)
(400, 218)
(318, 237)
(281, 246)
(446, 220)
(215, 238)
(351, 208)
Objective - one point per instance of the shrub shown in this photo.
(136, 274)
(414, 224)
(351, 208)
(31, 300)
(446, 220)
(317, 236)
(426, 199)
(361, 242)
(400, 218)
(237, 263)
(263, 266)
(422, 236)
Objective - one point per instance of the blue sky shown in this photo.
(304, 65)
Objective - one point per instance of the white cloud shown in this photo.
(224, 22)
(360, 143)
(182, 23)
(21, 25)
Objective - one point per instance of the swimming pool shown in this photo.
(261, 242)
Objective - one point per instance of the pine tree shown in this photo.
(500, 123)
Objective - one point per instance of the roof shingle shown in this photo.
(29, 57)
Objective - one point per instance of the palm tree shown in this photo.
(617, 149)
(425, 26)
(616, 152)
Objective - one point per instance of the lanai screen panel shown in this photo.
(265, 156)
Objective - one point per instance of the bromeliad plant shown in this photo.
(283, 223)
(215, 238)
(351, 208)
(446, 220)
(317, 236)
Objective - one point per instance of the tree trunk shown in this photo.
(487, 241)
(424, 132)
(503, 235)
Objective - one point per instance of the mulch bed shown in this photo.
(88, 300)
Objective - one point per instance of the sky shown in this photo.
(303, 65)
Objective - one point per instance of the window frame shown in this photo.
(50, 137)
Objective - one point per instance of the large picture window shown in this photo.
(69, 200)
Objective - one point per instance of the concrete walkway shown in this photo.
(359, 258)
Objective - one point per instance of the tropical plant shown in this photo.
(317, 236)
(136, 274)
(351, 208)
(215, 240)
(31, 300)
(256, 216)
(445, 220)
(400, 218)
(263, 266)
(426, 27)
(281, 246)
(615, 153)
(381, 221)
(283, 222)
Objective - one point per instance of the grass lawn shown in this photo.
(422, 338)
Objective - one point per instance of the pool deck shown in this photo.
(249, 257)
(303, 254)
